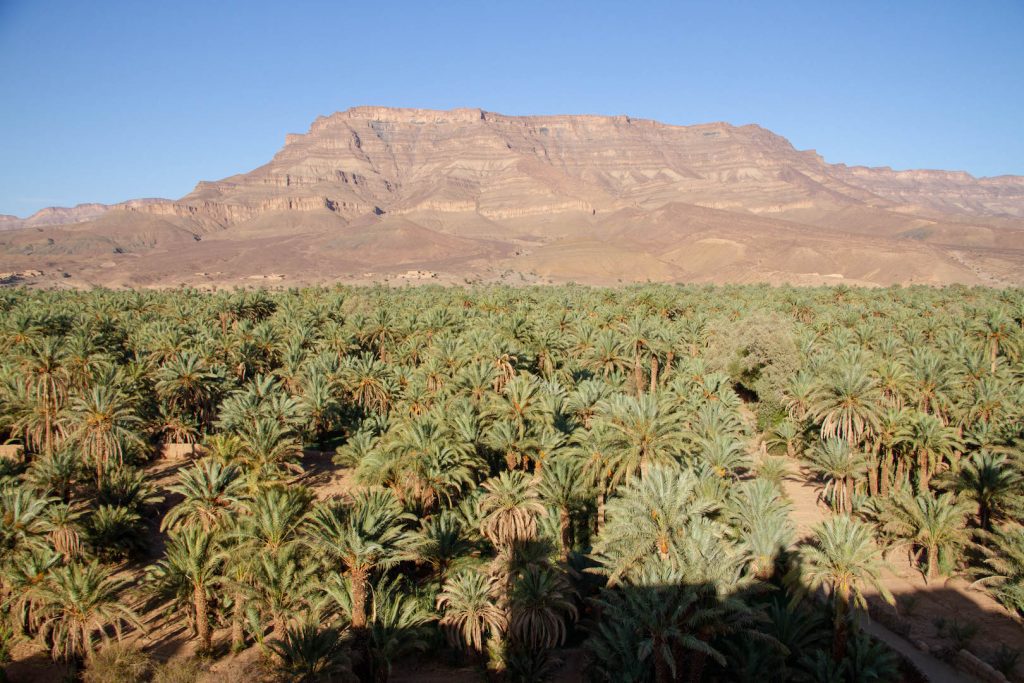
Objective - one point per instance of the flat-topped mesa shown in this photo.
(398, 115)
(471, 169)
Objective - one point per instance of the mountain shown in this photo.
(375, 193)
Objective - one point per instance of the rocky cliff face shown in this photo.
(465, 191)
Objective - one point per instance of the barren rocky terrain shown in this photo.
(409, 195)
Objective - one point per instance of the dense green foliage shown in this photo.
(527, 468)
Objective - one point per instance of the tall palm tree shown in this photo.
(996, 332)
(936, 524)
(849, 404)
(80, 604)
(213, 494)
(192, 566)
(652, 520)
(276, 519)
(932, 442)
(363, 535)
(643, 432)
(283, 587)
(47, 380)
(541, 602)
(840, 466)
(101, 423)
(269, 449)
(843, 557)
(760, 515)
(563, 487)
(509, 509)
(470, 613)
(189, 386)
(993, 483)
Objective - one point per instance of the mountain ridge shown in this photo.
(513, 190)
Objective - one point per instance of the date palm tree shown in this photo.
(397, 628)
(654, 520)
(932, 442)
(23, 523)
(842, 557)
(24, 577)
(541, 602)
(936, 524)
(643, 432)
(191, 568)
(364, 535)
(992, 482)
(308, 653)
(46, 380)
(848, 404)
(212, 494)
(668, 624)
(840, 466)
(441, 543)
(1003, 571)
(563, 487)
(101, 423)
(760, 515)
(283, 587)
(469, 609)
(509, 509)
(79, 605)
(189, 386)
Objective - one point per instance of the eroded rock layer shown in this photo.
(371, 193)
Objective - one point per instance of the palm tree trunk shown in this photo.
(600, 509)
(237, 634)
(933, 562)
(698, 660)
(565, 526)
(841, 623)
(638, 372)
(662, 674)
(654, 372)
(924, 476)
(873, 473)
(899, 474)
(202, 619)
(886, 465)
(358, 577)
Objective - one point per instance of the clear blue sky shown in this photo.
(106, 101)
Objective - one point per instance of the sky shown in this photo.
(107, 101)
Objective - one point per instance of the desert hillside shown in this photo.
(405, 195)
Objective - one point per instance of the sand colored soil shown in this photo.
(918, 603)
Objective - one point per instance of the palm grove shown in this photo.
(530, 469)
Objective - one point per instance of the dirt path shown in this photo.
(920, 606)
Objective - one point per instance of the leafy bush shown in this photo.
(115, 532)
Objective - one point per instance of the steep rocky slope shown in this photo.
(371, 193)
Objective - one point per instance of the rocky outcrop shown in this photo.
(377, 159)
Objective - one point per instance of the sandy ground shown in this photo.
(920, 603)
